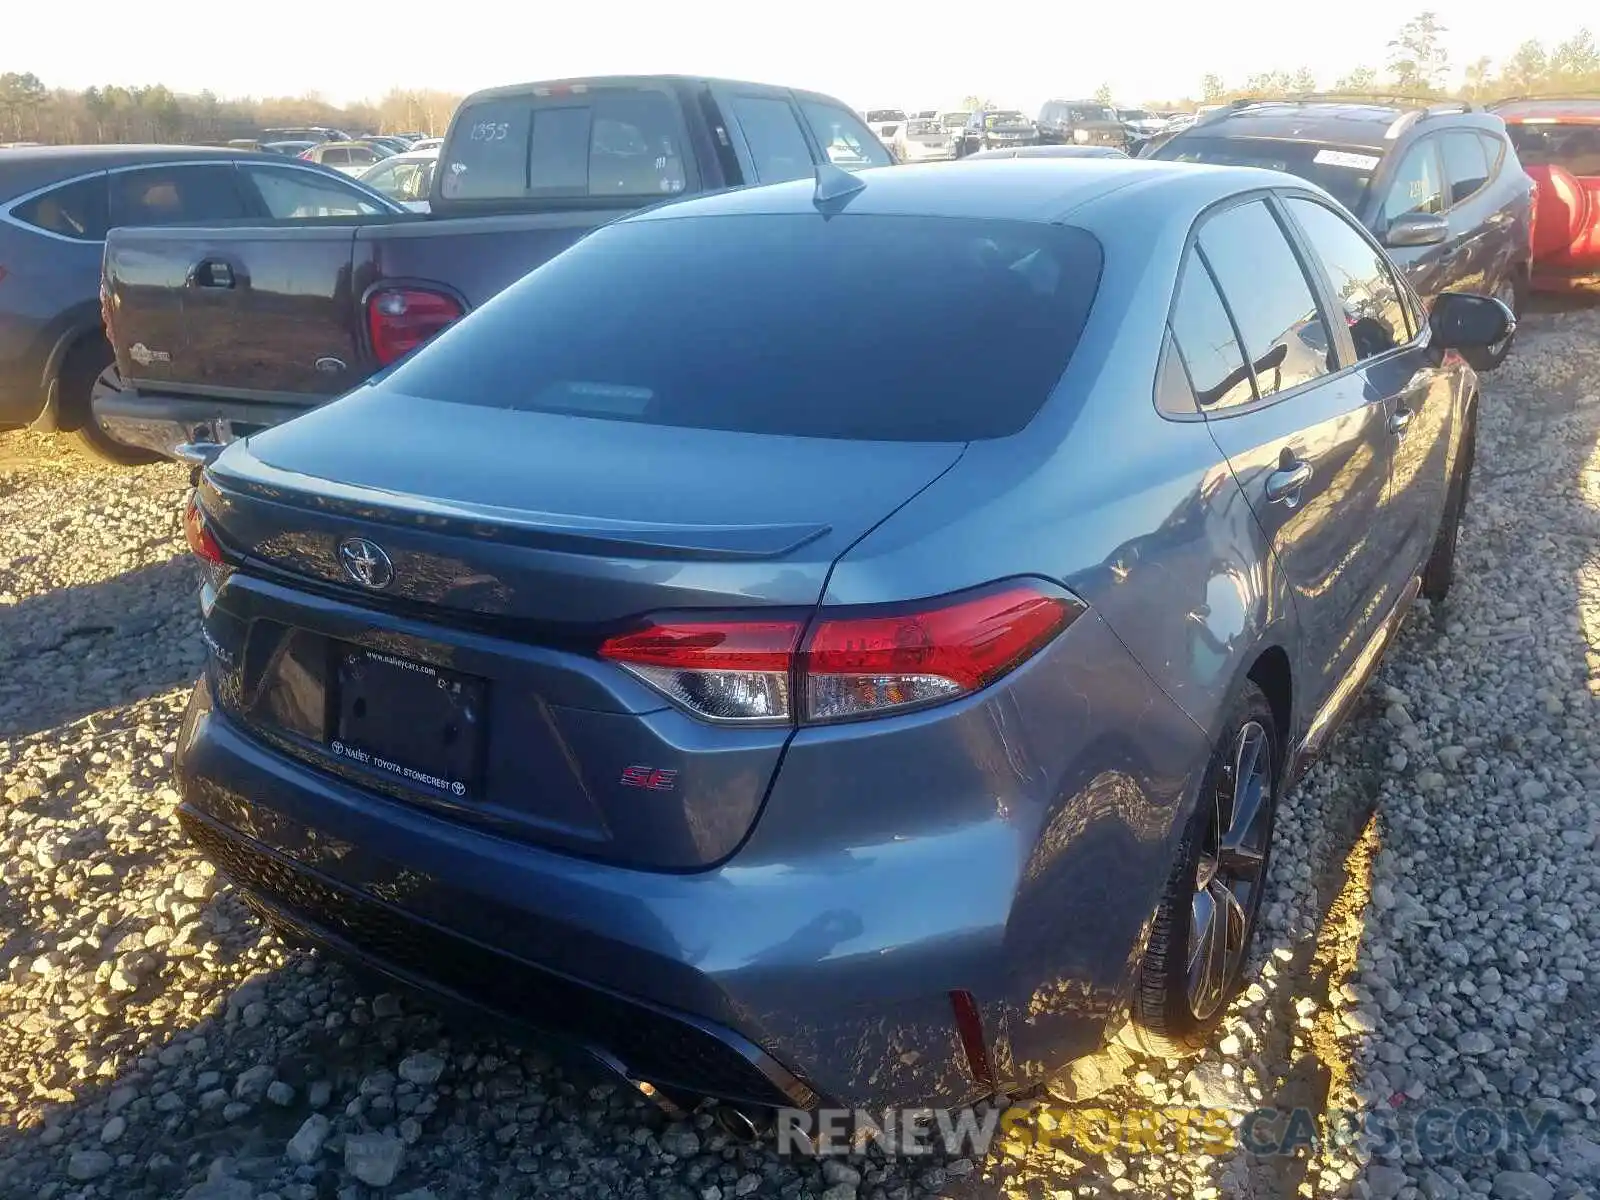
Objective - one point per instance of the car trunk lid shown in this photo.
(469, 681)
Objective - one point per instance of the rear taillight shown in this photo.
(851, 665)
(199, 536)
(401, 319)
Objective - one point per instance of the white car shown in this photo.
(925, 139)
(427, 143)
(406, 178)
(885, 122)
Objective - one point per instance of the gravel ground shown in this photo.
(1429, 939)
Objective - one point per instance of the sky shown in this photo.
(869, 55)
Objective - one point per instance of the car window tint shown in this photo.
(1366, 289)
(74, 210)
(843, 138)
(288, 194)
(174, 195)
(558, 150)
(1416, 187)
(772, 132)
(1465, 169)
(1206, 342)
(1344, 171)
(487, 151)
(1285, 338)
(634, 146)
(1494, 149)
(1174, 392)
(773, 324)
(1575, 147)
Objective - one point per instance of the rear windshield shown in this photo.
(618, 142)
(802, 325)
(1575, 147)
(1343, 171)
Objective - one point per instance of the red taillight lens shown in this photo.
(855, 666)
(200, 539)
(401, 319)
(726, 670)
(850, 666)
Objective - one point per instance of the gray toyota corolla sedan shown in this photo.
(655, 659)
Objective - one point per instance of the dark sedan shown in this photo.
(785, 720)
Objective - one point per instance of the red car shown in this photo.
(1558, 140)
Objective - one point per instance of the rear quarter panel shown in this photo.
(49, 296)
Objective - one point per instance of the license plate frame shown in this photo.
(421, 726)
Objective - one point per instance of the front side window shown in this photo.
(288, 194)
(773, 324)
(73, 210)
(1465, 168)
(1416, 187)
(777, 145)
(1205, 340)
(1285, 338)
(1367, 290)
(175, 195)
(843, 138)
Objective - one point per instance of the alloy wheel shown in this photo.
(1228, 877)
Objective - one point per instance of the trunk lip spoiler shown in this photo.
(535, 530)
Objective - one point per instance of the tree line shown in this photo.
(1415, 63)
(32, 112)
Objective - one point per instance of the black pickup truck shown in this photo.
(224, 330)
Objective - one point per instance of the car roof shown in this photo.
(25, 169)
(1342, 122)
(1549, 108)
(636, 81)
(1021, 189)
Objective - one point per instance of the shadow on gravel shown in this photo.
(77, 650)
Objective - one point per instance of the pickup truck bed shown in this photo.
(222, 331)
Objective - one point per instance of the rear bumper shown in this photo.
(164, 423)
(819, 959)
(916, 152)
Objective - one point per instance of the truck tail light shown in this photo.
(401, 319)
(850, 665)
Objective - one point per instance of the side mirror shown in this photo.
(1460, 321)
(1417, 229)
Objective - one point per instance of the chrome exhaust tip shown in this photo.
(742, 1125)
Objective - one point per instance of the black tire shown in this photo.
(1175, 1012)
(91, 367)
(1439, 572)
(1514, 294)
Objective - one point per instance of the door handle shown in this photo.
(1400, 420)
(212, 273)
(1286, 483)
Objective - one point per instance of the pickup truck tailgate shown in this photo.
(262, 313)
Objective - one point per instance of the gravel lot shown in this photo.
(1432, 937)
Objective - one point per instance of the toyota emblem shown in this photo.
(366, 563)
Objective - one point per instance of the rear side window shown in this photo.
(1416, 187)
(1466, 170)
(843, 138)
(771, 130)
(289, 194)
(175, 195)
(624, 142)
(1575, 147)
(338, 156)
(1205, 340)
(1366, 289)
(773, 324)
(1285, 338)
(73, 210)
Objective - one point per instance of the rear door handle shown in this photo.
(1286, 483)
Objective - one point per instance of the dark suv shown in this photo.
(1081, 123)
(1440, 185)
